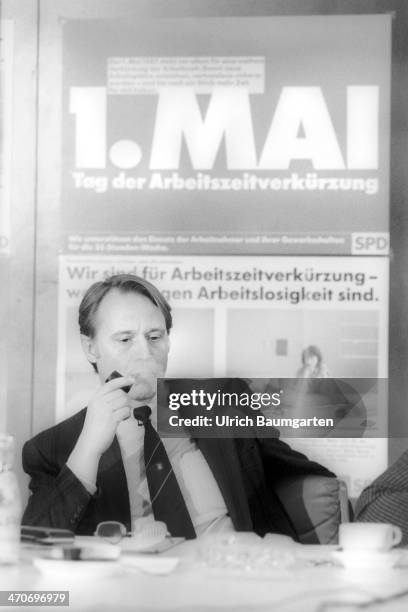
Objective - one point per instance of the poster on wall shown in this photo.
(226, 135)
(219, 158)
(240, 316)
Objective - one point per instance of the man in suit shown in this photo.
(386, 499)
(91, 467)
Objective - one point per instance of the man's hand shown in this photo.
(108, 407)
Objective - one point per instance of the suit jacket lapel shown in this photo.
(222, 458)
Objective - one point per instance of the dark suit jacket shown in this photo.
(246, 471)
(386, 499)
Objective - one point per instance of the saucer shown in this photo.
(148, 544)
(366, 560)
(94, 550)
(61, 568)
(150, 564)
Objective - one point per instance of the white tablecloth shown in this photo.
(191, 587)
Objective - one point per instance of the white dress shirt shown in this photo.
(200, 490)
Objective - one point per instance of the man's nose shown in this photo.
(140, 348)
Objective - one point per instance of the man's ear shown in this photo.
(88, 346)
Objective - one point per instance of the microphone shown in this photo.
(116, 374)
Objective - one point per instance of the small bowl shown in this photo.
(148, 528)
(366, 560)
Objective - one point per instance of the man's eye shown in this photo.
(124, 340)
(154, 337)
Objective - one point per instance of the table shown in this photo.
(194, 588)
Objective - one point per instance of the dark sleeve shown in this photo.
(386, 499)
(58, 498)
(281, 461)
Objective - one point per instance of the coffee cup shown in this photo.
(378, 537)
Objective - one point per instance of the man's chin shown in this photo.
(142, 392)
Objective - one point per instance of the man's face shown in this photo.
(130, 337)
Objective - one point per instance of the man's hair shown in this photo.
(126, 283)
